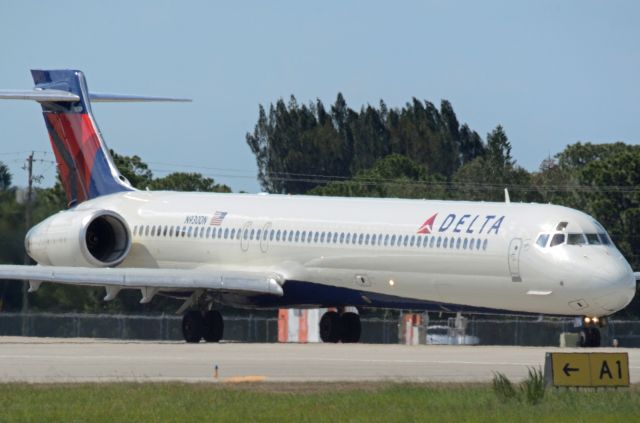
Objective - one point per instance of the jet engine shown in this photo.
(82, 238)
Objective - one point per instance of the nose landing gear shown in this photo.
(590, 332)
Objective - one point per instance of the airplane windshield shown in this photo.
(576, 239)
(593, 239)
(557, 239)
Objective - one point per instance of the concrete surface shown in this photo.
(90, 360)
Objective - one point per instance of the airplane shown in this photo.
(281, 251)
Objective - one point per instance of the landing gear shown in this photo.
(590, 332)
(192, 325)
(590, 337)
(197, 325)
(343, 327)
(213, 326)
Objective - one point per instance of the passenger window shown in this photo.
(542, 240)
(290, 236)
(354, 238)
(406, 240)
(439, 242)
(258, 234)
(366, 240)
(557, 239)
(278, 235)
(171, 231)
(341, 237)
(202, 232)
(576, 239)
(360, 238)
(208, 232)
(458, 242)
(432, 242)
(445, 242)
(297, 237)
(335, 237)
(153, 230)
(135, 230)
(386, 240)
(189, 231)
(303, 237)
(465, 244)
(322, 237)
(425, 241)
(484, 244)
(373, 239)
(478, 242)
(226, 233)
(412, 240)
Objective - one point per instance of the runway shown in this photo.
(48, 360)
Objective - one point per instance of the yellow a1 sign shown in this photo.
(587, 369)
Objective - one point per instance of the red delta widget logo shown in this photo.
(467, 223)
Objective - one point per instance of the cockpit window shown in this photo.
(604, 238)
(561, 226)
(576, 239)
(542, 240)
(593, 239)
(557, 240)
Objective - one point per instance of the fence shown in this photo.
(252, 328)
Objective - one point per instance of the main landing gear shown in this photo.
(335, 327)
(590, 332)
(197, 325)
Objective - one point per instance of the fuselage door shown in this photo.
(244, 236)
(264, 238)
(514, 259)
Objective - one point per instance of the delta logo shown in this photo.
(467, 223)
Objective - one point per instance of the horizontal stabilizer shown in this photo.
(48, 95)
(40, 95)
(114, 98)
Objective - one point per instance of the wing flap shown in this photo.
(138, 278)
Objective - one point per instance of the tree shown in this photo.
(5, 177)
(134, 169)
(181, 181)
(394, 176)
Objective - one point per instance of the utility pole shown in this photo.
(27, 219)
(28, 211)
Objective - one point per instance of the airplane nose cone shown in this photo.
(618, 286)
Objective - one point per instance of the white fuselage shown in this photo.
(386, 252)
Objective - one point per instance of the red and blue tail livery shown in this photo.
(86, 168)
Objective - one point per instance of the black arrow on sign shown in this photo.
(566, 369)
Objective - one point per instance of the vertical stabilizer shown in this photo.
(86, 168)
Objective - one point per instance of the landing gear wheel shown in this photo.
(213, 326)
(351, 327)
(330, 327)
(192, 326)
(590, 337)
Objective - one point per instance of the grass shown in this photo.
(284, 402)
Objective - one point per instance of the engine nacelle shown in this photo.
(94, 238)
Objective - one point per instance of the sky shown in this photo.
(550, 72)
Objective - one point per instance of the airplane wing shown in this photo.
(148, 281)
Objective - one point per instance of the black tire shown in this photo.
(213, 326)
(330, 327)
(192, 326)
(590, 337)
(351, 327)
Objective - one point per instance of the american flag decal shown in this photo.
(217, 218)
